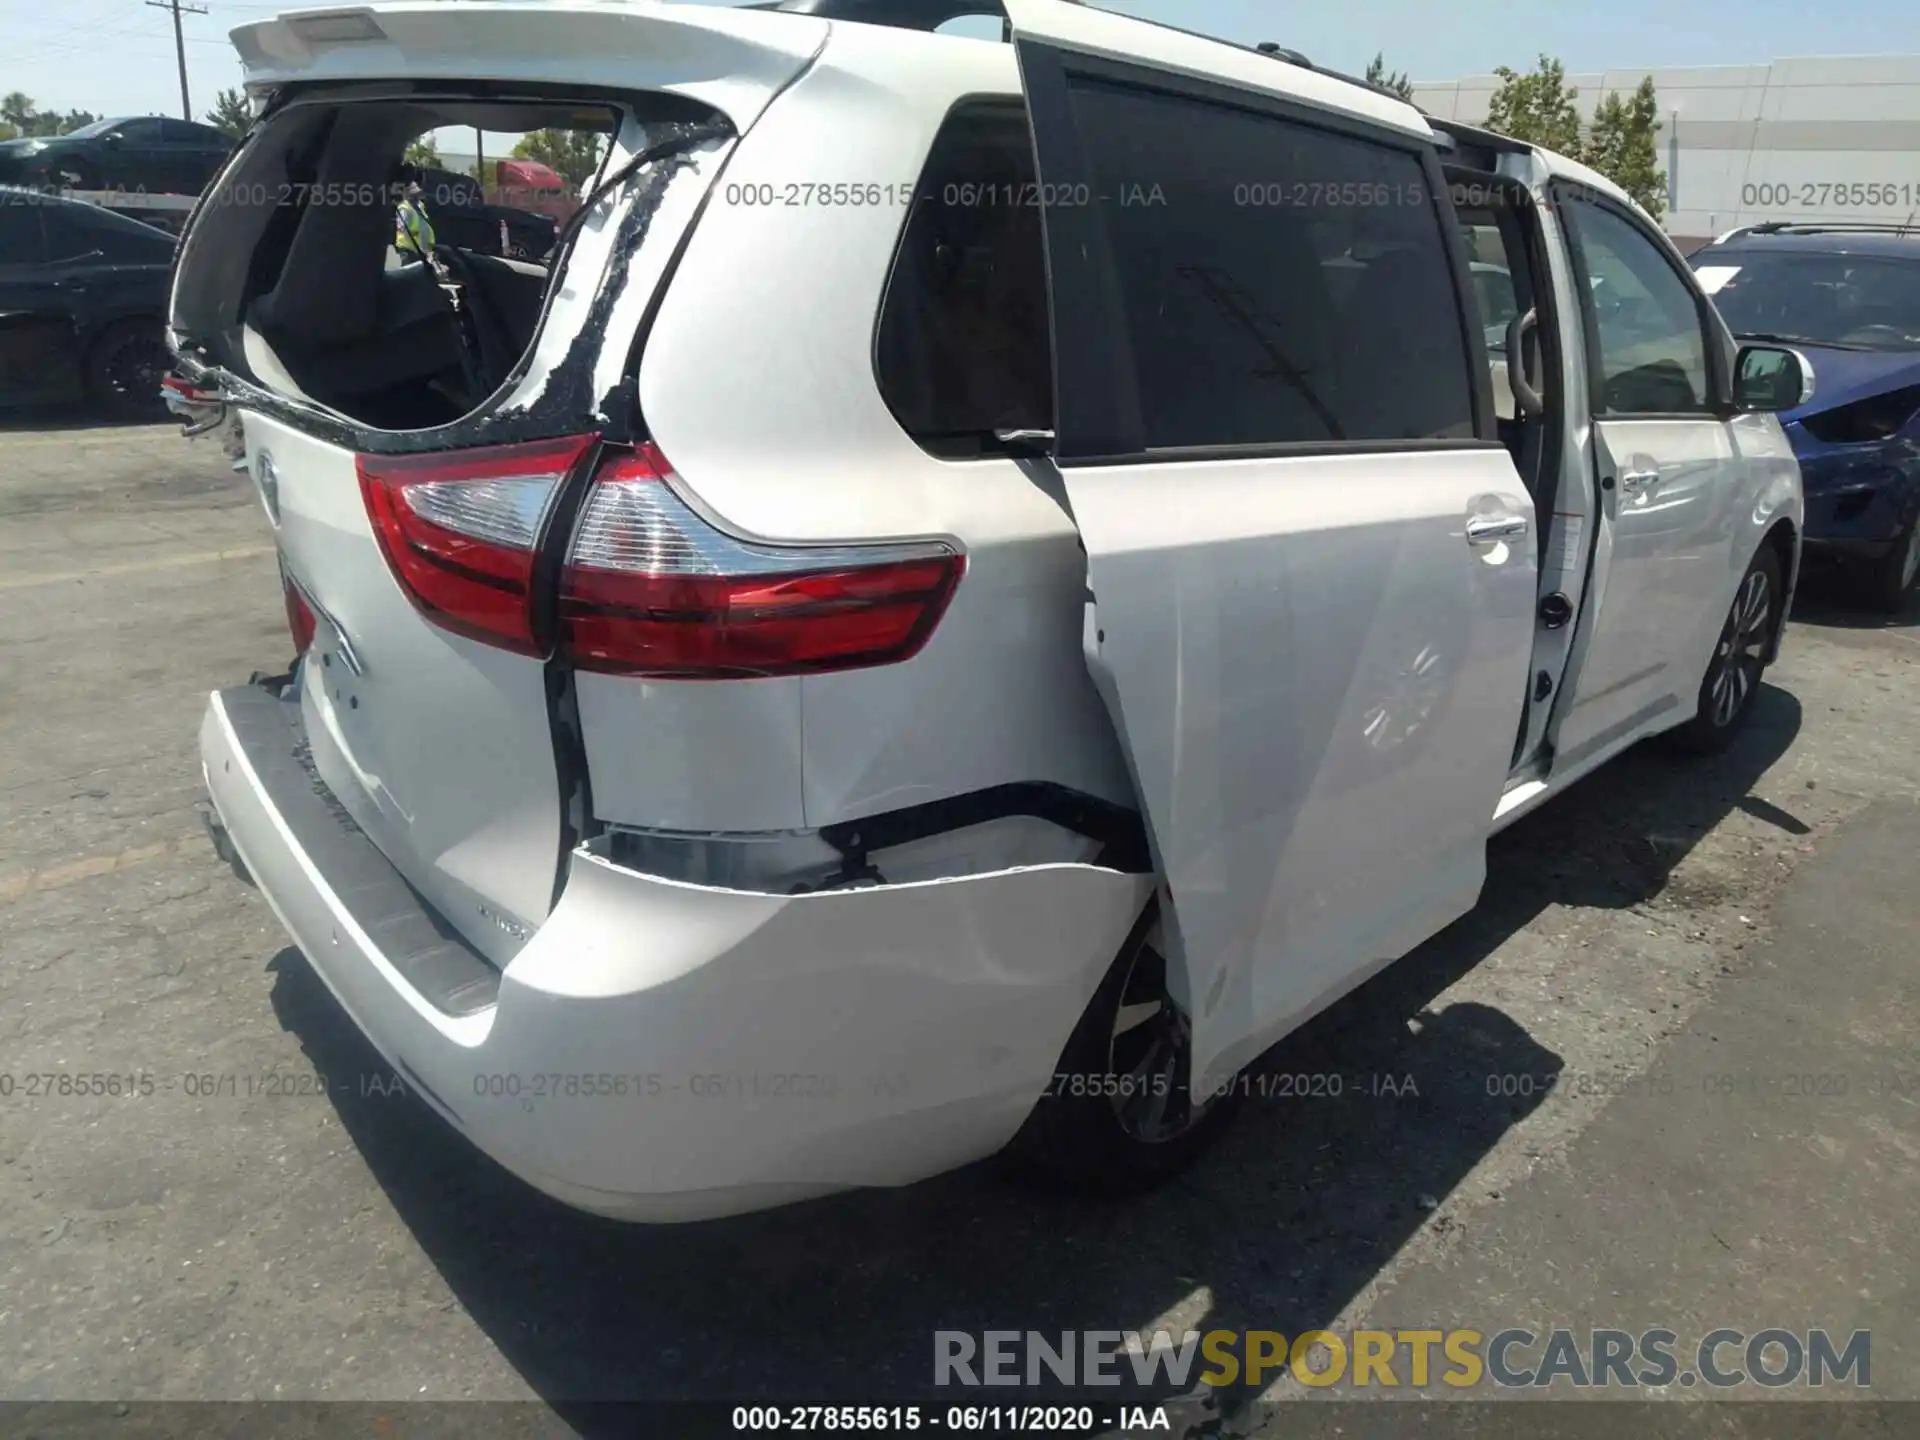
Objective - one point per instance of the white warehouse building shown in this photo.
(1808, 139)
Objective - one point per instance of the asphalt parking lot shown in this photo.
(1656, 952)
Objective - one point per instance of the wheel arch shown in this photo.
(1784, 538)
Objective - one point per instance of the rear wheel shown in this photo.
(1893, 575)
(1119, 1114)
(1732, 680)
(125, 367)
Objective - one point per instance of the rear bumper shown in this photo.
(664, 1051)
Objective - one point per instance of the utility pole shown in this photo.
(180, 45)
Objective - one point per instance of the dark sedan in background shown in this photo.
(144, 152)
(1848, 297)
(83, 300)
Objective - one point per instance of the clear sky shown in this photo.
(115, 57)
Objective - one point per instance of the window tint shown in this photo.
(1279, 283)
(128, 242)
(143, 131)
(1653, 351)
(1827, 299)
(963, 346)
(67, 238)
(181, 132)
(20, 242)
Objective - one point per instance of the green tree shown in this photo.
(74, 119)
(18, 111)
(1537, 108)
(1394, 80)
(424, 153)
(231, 113)
(574, 153)
(1621, 146)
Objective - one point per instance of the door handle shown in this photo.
(1633, 482)
(1497, 527)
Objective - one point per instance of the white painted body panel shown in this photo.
(1300, 669)
(1318, 679)
(730, 59)
(440, 750)
(796, 1044)
(1666, 560)
(1001, 694)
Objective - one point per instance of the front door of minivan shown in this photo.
(1668, 476)
(1310, 561)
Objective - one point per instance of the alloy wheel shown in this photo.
(135, 367)
(1737, 660)
(1910, 558)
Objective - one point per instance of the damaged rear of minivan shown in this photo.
(567, 797)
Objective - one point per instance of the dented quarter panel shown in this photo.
(869, 1036)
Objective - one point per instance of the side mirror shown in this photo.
(1767, 378)
(113, 137)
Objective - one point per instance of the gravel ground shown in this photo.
(349, 1246)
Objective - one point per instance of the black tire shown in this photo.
(125, 367)
(1892, 578)
(1097, 1143)
(1732, 681)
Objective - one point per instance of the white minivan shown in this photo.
(984, 583)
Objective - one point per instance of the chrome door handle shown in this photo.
(1499, 527)
(1632, 482)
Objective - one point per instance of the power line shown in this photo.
(180, 45)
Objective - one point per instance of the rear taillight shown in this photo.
(300, 621)
(650, 588)
(185, 390)
(460, 531)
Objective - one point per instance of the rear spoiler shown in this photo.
(732, 60)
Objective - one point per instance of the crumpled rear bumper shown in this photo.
(666, 1051)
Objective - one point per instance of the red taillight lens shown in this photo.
(652, 589)
(300, 621)
(190, 393)
(460, 530)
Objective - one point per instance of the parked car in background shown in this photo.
(1848, 297)
(83, 300)
(748, 740)
(462, 216)
(142, 152)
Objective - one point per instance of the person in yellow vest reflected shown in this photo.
(412, 228)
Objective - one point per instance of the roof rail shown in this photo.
(1294, 57)
(1909, 226)
(932, 14)
(901, 14)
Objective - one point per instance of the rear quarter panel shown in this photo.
(758, 384)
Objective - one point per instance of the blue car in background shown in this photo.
(1848, 297)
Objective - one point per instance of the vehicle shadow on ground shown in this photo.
(1302, 1203)
(1834, 598)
